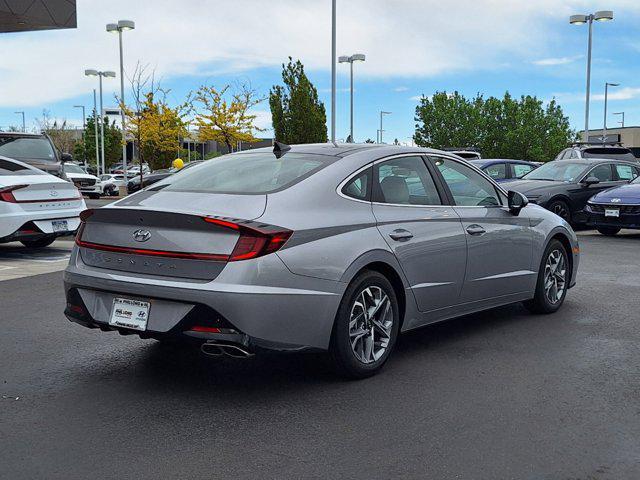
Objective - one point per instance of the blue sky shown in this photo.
(413, 47)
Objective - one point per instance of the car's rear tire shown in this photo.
(38, 243)
(608, 231)
(94, 196)
(553, 280)
(560, 208)
(366, 326)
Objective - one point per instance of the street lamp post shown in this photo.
(99, 74)
(84, 126)
(356, 57)
(622, 122)
(382, 112)
(601, 16)
(95, 127)
(121, 26)
(606, 95)
(24, 128)
(333, 71)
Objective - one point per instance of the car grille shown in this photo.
(624, 209)
(85, 182)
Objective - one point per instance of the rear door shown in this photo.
(499, 244)
(582, 193)
(519, 170)
(424, 232)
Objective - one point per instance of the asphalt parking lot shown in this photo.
(499, 395)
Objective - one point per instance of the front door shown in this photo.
(499, 244)
(425, 235)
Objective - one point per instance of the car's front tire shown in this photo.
(38, 243)
(553, 280)
(560, 208)
(608, 231)
(366, 326)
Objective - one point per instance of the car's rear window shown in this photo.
(609, 152)
(246, 173)
(13, 168)
(27, 148)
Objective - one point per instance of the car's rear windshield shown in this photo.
(27, 148)
(609, 152)
(564, 171)
(14, 168)
(246, 173)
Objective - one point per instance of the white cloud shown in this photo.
(546, 62)
(401, 89)
(624, 93)
(203, 38)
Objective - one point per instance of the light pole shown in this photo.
(606, 95)
(622, 122)
(356, 57)
(333, 71)
(382, 112)
(601, 16)
(99, 74)
(122, 26)
(95, 127)
(23, 124)
(84, 126)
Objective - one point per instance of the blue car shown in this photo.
(611, 210)
(501, 169)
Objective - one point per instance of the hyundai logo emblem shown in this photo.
(141, 235)
(615, 200)
(53, 193)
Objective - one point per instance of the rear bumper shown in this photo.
(260, 300)
(13, 223)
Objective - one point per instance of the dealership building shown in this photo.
(627, 136)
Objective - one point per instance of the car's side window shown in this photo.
(468, 187)
(497, 171)
(626, 172)
(520, 170)
(358, 187)
(602, 173)
(405, 181)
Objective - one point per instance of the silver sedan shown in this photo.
(325, 247)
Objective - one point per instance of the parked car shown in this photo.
(611, 210)
(466, 153)
(36, 207)
(564, 187)
(325, 247)
(111, 183)
(596, 150)
(504, 169)
(141, 181)
(34, 149)
(88, 184)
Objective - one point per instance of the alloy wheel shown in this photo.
(555, 274)
(560, 210)
(370, 324)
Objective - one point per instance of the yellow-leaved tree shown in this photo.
(224, 115)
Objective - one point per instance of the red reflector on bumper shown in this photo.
(199, 328)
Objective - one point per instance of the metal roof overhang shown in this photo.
(29, 15)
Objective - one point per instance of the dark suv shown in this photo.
(36, 149)
(597, 150)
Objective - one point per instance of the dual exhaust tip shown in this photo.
(216, 349)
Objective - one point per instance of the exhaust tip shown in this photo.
(218, 349)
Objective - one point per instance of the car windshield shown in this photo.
(14, 168)
(247, 173)
(27, 148)
(557, 171)
(71, 168)
(609, 152)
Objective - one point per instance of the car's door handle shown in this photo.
(401, 235)
(475, 230)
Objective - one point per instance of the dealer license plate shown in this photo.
(612, 212)
(129, 313)
(60, 225)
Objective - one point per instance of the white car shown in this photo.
(111, 183)
(87, 184)
(36, 207)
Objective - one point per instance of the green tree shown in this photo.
(501, 128)
(112, 143)
(297, 115)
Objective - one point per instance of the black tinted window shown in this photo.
(358, 187)
(405, 181)
(13, 168)
(31, 148)
(602, 173)
(610, 152)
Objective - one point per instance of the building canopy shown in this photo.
(29, 15)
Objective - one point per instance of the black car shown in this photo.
(565, 187)
(138, 183)
(34, 149)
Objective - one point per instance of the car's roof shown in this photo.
(345, 149)
(485, 161)
(21, 134)
(594, 160)
(594, 145)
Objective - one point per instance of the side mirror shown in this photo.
(516, 201)
(590, 181)
(66, 157)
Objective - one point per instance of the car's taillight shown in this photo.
(254, 241)
(6, 193)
